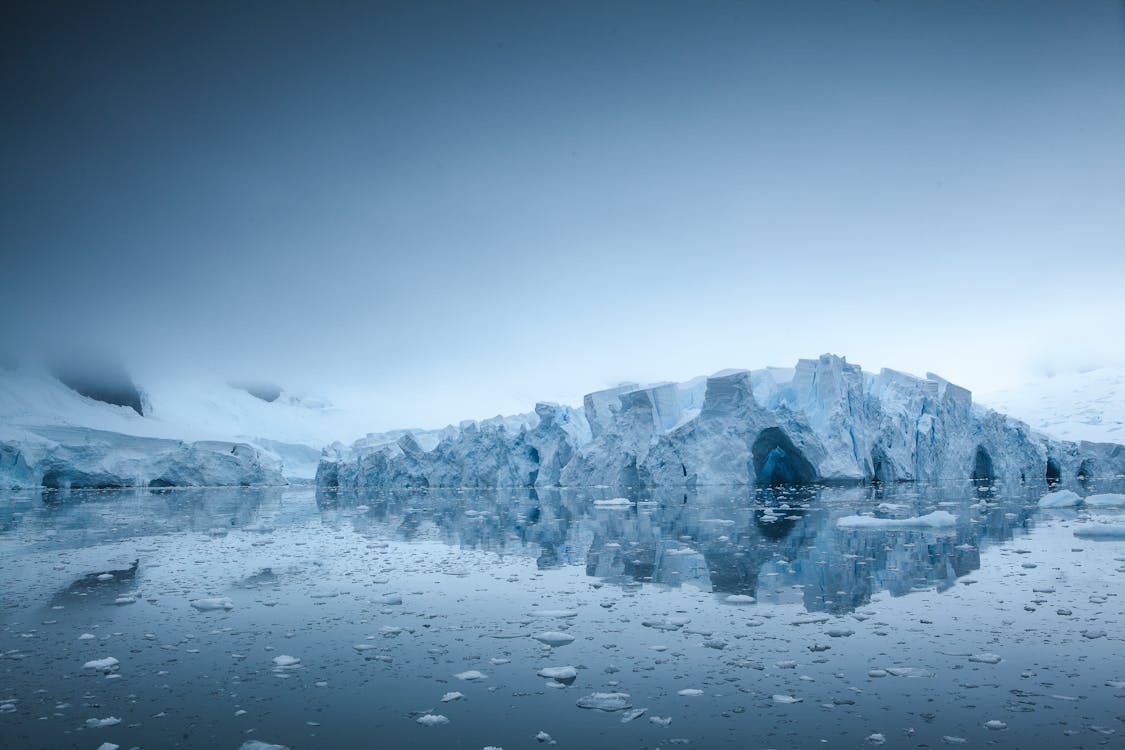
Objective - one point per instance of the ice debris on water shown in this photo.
(284, 660)
(107, 664)
(995, 725)
(259, 745)
(432, 720)
(876, 739)
(986, 658)
(108, 746)
(559, 674)
(554, 638)
(740, 599)
(109, 721)
(453, 696)
(544, 737)
(605, 701)
(213, 603)
(632, 713)
(689, 692)
(936, 519)
(471, 675)
(781, 698)
(660, 721)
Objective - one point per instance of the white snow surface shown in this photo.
(1074, 406)
(937, 519)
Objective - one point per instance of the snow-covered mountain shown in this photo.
(291, 429)
(1076, 406)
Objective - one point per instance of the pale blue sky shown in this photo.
(457, 210)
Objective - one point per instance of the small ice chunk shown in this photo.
(556, 614)
(689, 692)
(108, 746)
(950, 739)
(213, 603)
(605, 701)
(660, 721)
(986, 658)
(780, 698)
(391, 599)
(554, 638)
(108, 664)
(127, 599)
(450, 697)
(1060, 499)
(284, 660)
(109, 721)
(937, 519)
(432, 720)
(632, 713)
(471, 675)
(876, 739)
(259, 745)
(613, 502)
(740, 599)
(995, 725)
(558, 674)
(544, 737)
(86, 637)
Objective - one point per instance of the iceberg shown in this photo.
(823, 421)
(65, 458)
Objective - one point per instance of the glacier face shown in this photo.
(825, 420)
(59, 457)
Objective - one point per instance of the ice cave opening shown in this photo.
(533, 457)
(778, 461)
(982, 466)
(1054, 472)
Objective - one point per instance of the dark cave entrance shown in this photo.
(982, 466)
(533, 457)
(778, 461)
(1054, 472)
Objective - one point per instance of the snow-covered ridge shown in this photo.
(824, 420)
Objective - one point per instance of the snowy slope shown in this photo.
(292, 428)
(1078, 406)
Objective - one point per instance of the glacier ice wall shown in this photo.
(825, 420)
(65, 458)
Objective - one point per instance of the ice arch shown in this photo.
(778, 461)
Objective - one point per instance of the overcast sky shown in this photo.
(453, 210)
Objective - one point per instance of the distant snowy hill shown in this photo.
(1079, 406)
(292, 428)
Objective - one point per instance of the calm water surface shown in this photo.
(736, 618)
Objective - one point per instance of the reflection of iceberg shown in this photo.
(823, 421)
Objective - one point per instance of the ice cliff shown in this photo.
(823, 421)
(80, 458)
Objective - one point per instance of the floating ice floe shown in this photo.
(259, 745)
(614, 502)
(660, 721)
(689, 692)
(108, 746)
(554, 638)
(544, 737)
(213, 603)
(1060, 499)
(109, 721)
(432, 720)
(559, 674)
(284, 661)
(780, 698)
(471, 675)
(936, 519)
(986, 658)
(1106, 500)
(740, 599)
(877, 738)
(632, 713)
(108, 664)
(555, 614)
(605, 701)
(450, 697)
(995, 725)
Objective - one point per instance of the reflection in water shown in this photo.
(765, 543)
